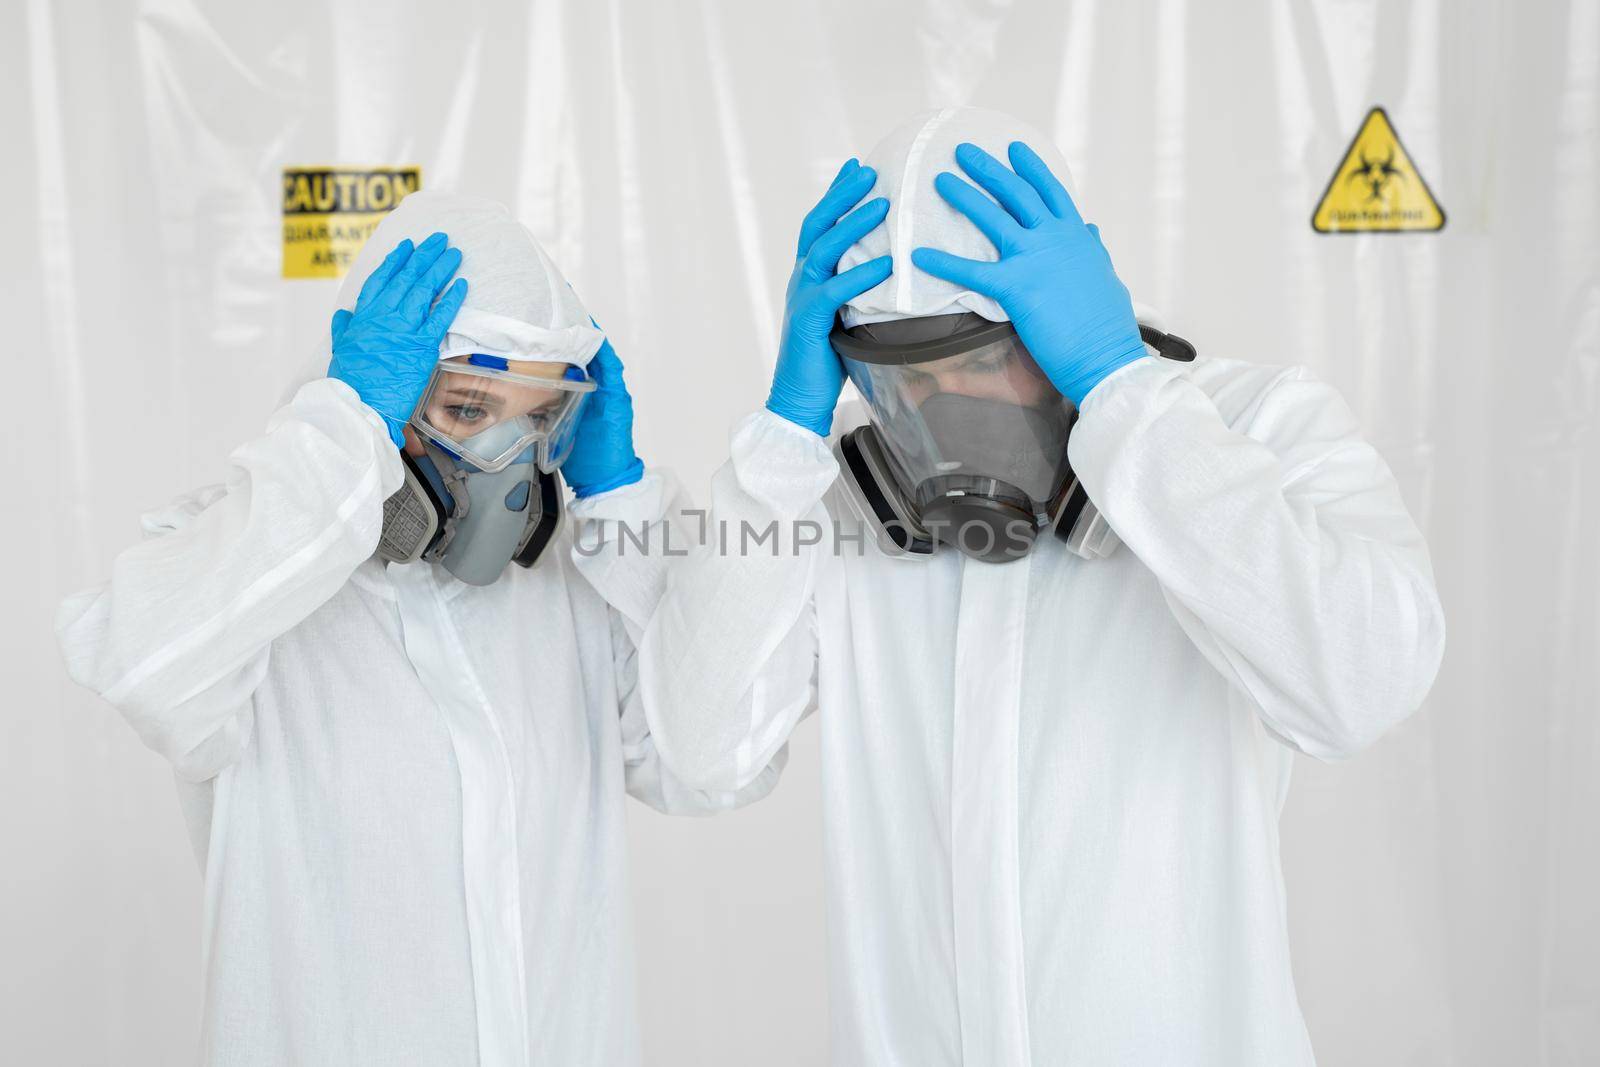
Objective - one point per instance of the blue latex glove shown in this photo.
(387, 348)
(806, 384)
(1053, 278)
(602, 455)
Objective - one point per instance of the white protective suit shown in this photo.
(1052, 787)
(406, 792)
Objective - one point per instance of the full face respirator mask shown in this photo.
(485, 490)
(967, 440)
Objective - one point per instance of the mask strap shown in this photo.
(1169, 345)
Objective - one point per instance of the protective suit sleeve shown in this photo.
(625, 540)
(178, 638)
(1279, 537)
(728, 660)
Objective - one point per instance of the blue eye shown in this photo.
(467, 412)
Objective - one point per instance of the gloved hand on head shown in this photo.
(1025, 255)
(520, 308)
(497, 375)
(386, 348)
(808, 378)
(602, 454)
(1053, 278)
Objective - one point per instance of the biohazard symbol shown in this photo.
(1376, 173)
(1377, 188)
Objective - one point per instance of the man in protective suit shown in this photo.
(1054, 751)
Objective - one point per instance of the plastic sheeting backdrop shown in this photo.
(1445, 887)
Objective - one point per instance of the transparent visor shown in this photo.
(483, 412)
(962, 422)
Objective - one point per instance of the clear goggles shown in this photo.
(483, 413)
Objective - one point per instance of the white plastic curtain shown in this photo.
(1444, 887)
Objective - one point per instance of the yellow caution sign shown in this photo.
(329, 212)
(1377, 189)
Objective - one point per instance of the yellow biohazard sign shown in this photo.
(1377, 189)
(329, 212)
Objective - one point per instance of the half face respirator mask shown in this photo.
(967, 443)
(484, 492)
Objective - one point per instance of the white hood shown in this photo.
(518, 304)
(907, 160)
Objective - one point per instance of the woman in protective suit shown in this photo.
(402, 720)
